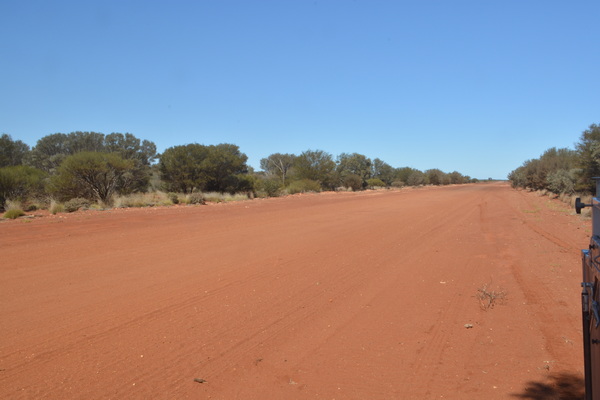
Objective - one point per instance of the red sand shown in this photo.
(329, 296)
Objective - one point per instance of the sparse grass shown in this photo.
(150, 199)
(14, 213)
(56, 207)
(569, 199)
(193, 198)
(534, 211)
(13, 205)
(216, 197)
(489, 298)
(587, 199)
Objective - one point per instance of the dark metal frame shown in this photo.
(590, 300)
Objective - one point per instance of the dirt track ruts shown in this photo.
(336, 295)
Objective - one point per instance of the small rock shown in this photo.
(468, 326)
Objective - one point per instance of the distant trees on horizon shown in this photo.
(95, 166)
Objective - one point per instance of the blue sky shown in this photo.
(473, 86)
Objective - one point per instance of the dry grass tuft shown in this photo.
(489, 298)
(56, 208)
(216, 197)
(150, 199)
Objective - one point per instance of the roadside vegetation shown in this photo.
(90, 170)
(565, 173)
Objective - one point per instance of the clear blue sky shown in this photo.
(473, 86)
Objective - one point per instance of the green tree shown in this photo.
(456, 177)
(354, 165)
(588, 150)
(194, 166)
(225, 168)
(416, 178)
(51, 150)
(278, 164)
(12, 152)
(19, 182)
(403, 174)
(142, 153)
(181, 167)
(315, 165)
(383, 171)
(92, 175)
(436, 177)
(130, 147)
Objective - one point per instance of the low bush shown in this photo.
(195, 198)
(303, 186)
(36, 203)
(173, 197)
(353, 181)
(13, 213)
(268, 187)
(375, 182)
(76, 203)
(20, 182)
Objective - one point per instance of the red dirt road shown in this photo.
(329, 296)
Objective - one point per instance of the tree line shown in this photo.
(563, 170)
(95, 166)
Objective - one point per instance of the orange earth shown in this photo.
(370, 295)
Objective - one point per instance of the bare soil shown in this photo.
(372, 295)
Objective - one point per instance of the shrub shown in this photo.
(353, 181)
(20, 182)
(173, 197)
(303, 186)
(56, 208)
(375, 182)
(92, 175)
(14, 213)
(76, 203)
(195, 198)
(561, 181)
(268, 187)
(398, 184)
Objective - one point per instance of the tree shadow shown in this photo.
(563, 386)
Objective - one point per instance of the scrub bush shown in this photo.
(76, 203)
(303, 186)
